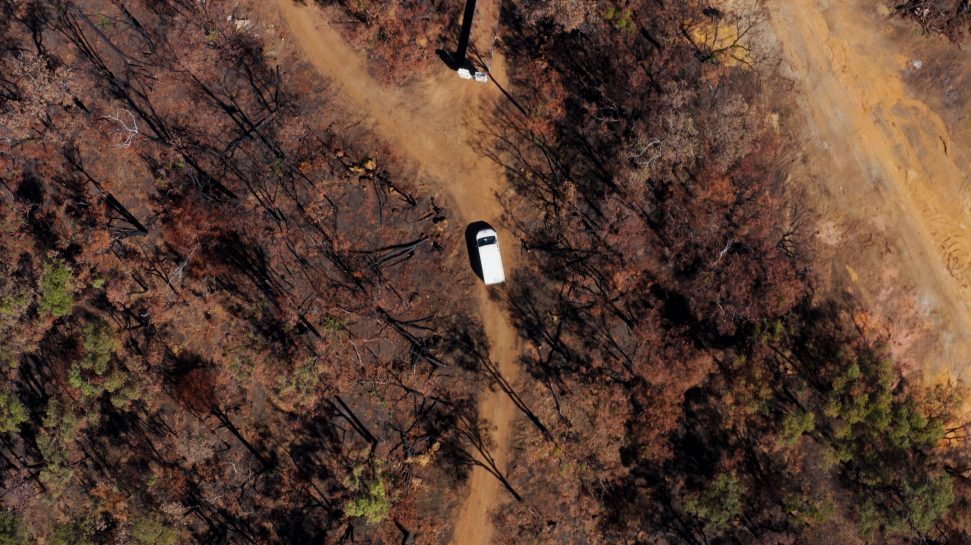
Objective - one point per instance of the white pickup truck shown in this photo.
(488, 244)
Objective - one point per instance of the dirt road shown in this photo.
(887, 177)
(432, 123)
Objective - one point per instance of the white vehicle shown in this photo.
(489, 258)
(481, 77)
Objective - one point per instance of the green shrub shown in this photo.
(926, 503)
(10, 305)
(719, 503)
(79, 532)
(95, 374)
(56, 289)
(371, 503)
(99, 345)
(332, 324)
(12, 530)
(13, 413)
(795, 426)
(151, 531)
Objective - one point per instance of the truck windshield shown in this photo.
(485, 241)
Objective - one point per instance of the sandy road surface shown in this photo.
(432, 123)
(889, 182)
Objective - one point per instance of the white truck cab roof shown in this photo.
(488, 243)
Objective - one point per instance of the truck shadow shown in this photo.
(470, 246)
